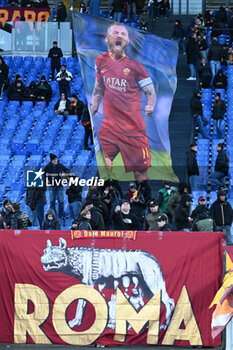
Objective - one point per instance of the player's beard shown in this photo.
(117, 46)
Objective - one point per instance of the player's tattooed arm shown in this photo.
(149, 92)
(97, 96)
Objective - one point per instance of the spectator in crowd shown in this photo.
(221, 212)
(61, 12)
(191, 51)
(76, 107)
(183, 219)
(86, 123)
(99, 204)
(164, 194)
(96, 221)
(113, 188)
(175, 199)
(4, 70)
(204, 74)
(220, 80)
(192, 166)
(201, 207)
(84, 222)
(93, 191)
(179, 35)
(55, 53)
(117, 10)
(17, 91)
(219, 109)
(164, 7)
(150, 223)
(131, 8)
(64, 78)
(82, 8)
(197, 113)
(230, 56)
(75, 225)
(74, 193)
(163, 224)
(209, 18)
(202, 46)
(43, 4)
(19, 220)
(51, 222)
(95, 7)
(143, 20)
(7, 212)
(153, 12)
(55, 171)
(137, 201)
(123, 218)
(44, 91)
(62, 106)
(144, 188)
(221, 168)
(224, 55)
(214, 56)
(219, 22)
(31, 92)
(36, 200)
(204, 222)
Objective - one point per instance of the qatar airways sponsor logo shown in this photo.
(115, 83)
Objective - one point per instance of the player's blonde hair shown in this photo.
(116, 24)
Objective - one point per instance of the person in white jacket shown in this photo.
(64, 78)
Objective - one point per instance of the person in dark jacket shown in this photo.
(221, 212)
(175, 199)
(131, 9)
(220, 80)
(219, 109)
(192, 166)
(36, 200)
(31, 92)
(84, 222)
(202, 46)
(191, 52)
(200, 208)
(143, 20)
(214, 56)
(61, 12)
(55, 53)
(86, 123)
(51, 222)
(44, 91)
(164, 7)
(76, 106)
(19, 220)
(74, 193)
(117, 10)
(150, 223)
(82, 7)
(163, 224)
(204, 74)
(62, 106)
(204, 223)
(123, 218)
(197, 113)
(209, 18)
(163, 196)
(53, 171)
(144, 188)
(221, 168)
(99, 204)
(182, 213)
(7, 212)
(17, 91)
(4, 70)
(137, 201)
(179, 35)
(96, 221)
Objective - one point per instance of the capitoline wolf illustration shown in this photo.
(111, 268)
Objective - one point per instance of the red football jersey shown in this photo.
(123, 80)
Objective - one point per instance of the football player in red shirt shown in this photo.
(120, 81)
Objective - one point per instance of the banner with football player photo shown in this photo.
(130, 79)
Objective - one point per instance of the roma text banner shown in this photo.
(130, 79)
(55, 289)
(8, 14)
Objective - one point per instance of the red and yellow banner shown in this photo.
(8, 14)
(103, 234)
(153, 290)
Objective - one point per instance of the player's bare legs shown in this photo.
(141, 175)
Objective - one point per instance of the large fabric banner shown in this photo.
(30, 14)
(130, 79)
(109, 287)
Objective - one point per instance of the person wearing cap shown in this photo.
(183, 219)
(175, 199)
(62, 106)
(221, 213)
(76, 106)
(150, 223)
(163, 224)
(19, 220)
(221, 168)
(200, 207)
(54, 171)
(64, 78)
(55, 53)
(137, 201)
(44, 91)
(123, 218)
(192, 166)
(7, 212)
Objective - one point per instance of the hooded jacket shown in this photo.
(16, 93)
(220, 81)
(222, 162)
(204, 223)
(182, 213)
(221, 212)
(44, 90)
(51, 224)
(31, 91)
(219, 109)
(196, 105)
(175, 199)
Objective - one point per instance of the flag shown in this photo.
(130, 79)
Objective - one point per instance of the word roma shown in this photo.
(30, 323)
